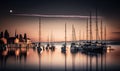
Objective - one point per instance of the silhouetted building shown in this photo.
(13, 42)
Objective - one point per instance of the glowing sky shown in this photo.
(53, 25)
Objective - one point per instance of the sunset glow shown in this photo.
(55, 26)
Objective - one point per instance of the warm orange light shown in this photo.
(28, 41)
(17, 52)
(16, 40)
(5, 53)
(4, 40)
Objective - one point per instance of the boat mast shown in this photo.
(105, 34)
(83, 36)
(87, 31)
(65, 35)
(51, 38)
(90, 28)
(101, 31)
(73, 34)
(96, 27)
(79, 36)
(48, 40)
(39, 31)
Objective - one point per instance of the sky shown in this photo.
(107, 9)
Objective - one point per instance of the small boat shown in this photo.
(63, 48)
(52, 47)
(39, 47)
(48, 45)
(73, 46)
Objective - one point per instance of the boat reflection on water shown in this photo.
(94, 61)
(30, 59)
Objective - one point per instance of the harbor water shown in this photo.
(30, 59)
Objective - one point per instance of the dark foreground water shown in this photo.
(32, 60)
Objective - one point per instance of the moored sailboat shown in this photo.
(63, 48)
(52, 46)
(39, 43)
(73, 44)
(48, 44)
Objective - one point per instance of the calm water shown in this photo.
(32, 60)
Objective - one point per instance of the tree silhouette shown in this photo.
(20, 37)
(25, 37)
(16, 36)
(6, 34)
(1, 34)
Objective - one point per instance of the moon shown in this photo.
(11, 11)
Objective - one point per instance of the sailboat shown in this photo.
(105, 37)
(73, 44)
(97, 44)
(80, 46)
(104, 44)
(52, 47)
(63, 48)
(48, 45)
(101, 33)
(39, 44)
(80, 38)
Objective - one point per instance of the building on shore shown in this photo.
(16, 41)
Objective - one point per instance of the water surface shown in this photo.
(29, 59)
